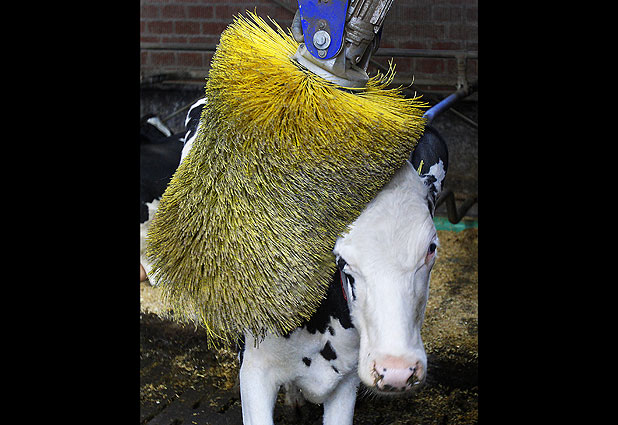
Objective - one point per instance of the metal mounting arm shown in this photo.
(338, 37)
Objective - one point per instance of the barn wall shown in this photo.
(178, 36)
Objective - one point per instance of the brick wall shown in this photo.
(177, 36)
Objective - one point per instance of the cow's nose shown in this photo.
(397, 373)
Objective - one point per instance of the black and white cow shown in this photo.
(160, 153)
(368, 327)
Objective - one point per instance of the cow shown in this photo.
(367, 329)
(160, 155)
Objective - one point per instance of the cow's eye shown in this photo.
(431, 250)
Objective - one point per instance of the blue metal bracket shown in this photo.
(323, 22)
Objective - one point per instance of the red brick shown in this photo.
(227, 12)
(395, 31)
(190, 59)
(412, 13)
(429, 65)
(187, 27)
(427, 31)
(149, 11)
(162, 58)
(456, 2)
(213, 28)
(386, 44)
(413, 44)
(160, 27)
(447, 45)
(149, 39)
(200, 12)
(173, 11)
(463, 32)
(472, 66)
(280, 15)
(472, 14)
(402, 65)
(446, 14)
(204, 1)
(451, 67)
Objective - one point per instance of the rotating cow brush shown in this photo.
(283, 162)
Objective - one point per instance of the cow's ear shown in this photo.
(430, 160)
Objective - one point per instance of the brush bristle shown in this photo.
(283, 162)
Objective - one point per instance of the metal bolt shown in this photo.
(321, 40)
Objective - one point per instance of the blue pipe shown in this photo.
(441, 106)
(446, 103)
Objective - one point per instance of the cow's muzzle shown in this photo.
(397, 374)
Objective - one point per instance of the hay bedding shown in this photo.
(175, 358)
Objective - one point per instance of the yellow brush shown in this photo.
(283, 162)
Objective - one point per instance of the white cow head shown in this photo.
(386, 259)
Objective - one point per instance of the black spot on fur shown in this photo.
(327, 352)
(331, 330)
(348, 279)
(430, 206)
(333, 306)
(430, 150)
(335, 369)
(307, 361)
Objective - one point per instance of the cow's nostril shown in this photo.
(397, 373)
(413, 376)
(394, 379)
